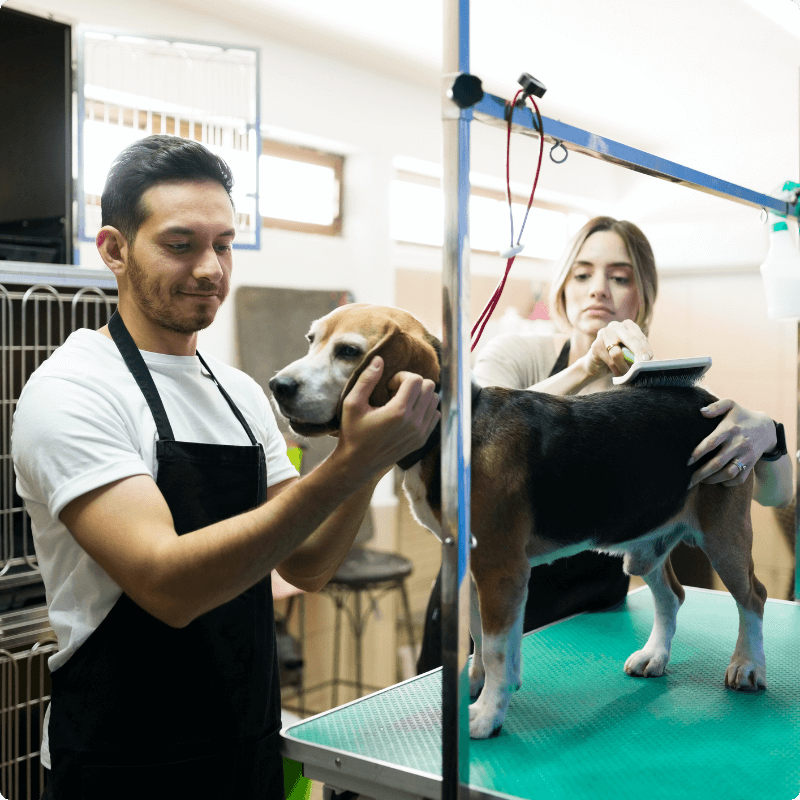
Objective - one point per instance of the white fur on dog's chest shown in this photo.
(416, 491)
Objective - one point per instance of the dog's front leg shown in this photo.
(502, 607)
(651, 661)
(477, 674)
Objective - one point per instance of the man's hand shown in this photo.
(374, 439)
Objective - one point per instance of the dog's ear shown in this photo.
(400, 351)
(404, 352)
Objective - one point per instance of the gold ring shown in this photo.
(612, 346)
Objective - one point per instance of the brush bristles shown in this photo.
(690, 376)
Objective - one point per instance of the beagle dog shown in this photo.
(551, 476)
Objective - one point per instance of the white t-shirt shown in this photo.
(82, 422)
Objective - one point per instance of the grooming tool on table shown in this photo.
(668, 372)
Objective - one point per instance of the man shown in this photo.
(161, 498)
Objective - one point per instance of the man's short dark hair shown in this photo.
(147, 162)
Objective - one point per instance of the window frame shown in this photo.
(306, 155)
(166, 120)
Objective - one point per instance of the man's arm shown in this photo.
(313, 563)
(127, 527)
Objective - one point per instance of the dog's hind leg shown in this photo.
(668, 595)
(727, 541)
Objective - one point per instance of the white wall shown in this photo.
(368, 116)
(371, 117)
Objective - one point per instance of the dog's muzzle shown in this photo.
(285, 389)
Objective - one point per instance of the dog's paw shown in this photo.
(483, 724)
(647, 663)
(744, 675)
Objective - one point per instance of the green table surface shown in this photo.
(581, 728)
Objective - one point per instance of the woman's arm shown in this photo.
(745, 436)
(515, 362)
(603, 357)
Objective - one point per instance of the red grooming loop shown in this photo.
(495, 298)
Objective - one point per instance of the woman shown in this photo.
(603, 293)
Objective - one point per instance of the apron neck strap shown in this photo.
(238, 414)
(135, 363)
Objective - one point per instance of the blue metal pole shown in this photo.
(492, 109)
(456, 416)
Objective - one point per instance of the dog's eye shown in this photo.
(310, 338)
(348, 351)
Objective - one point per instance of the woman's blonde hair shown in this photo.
(642, 261)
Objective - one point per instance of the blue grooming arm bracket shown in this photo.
(493, 110)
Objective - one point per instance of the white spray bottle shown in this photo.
(781, 269)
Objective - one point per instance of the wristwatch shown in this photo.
(780, 447)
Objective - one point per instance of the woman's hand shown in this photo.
(742, 436)
(605, 354)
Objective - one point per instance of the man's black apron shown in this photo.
(143, 710)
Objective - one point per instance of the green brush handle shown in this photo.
(629, 357)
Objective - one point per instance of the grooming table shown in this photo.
(580, 727)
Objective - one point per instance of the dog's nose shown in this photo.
(283, 387)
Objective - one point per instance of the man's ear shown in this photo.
(113, 249)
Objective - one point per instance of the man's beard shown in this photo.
(148, 294)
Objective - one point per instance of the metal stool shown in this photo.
(373, 573)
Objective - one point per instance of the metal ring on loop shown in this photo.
(555, 147)
(765, 218)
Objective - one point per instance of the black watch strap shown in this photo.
(780, 448)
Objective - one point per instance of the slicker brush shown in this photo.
(665, 373)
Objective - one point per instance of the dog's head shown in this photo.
(310, 391)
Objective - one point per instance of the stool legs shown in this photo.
(358, 624)
(407, 615)
(359, 632)
(337, 636)
(302, 625)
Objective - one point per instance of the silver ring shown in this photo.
(741, 467)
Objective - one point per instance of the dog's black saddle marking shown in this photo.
(605, 467)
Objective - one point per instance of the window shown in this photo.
(131, 87)
(301, 189)
(417, 215)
